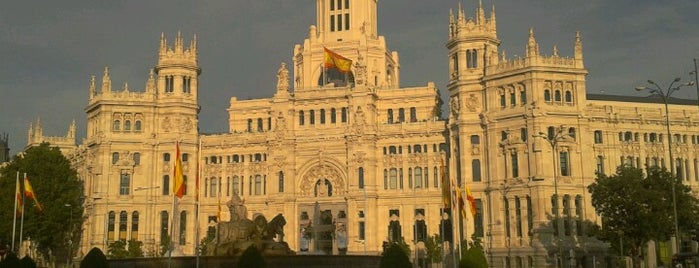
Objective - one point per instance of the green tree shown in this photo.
(639, 207)
(135, 249)
(434, 248)
(117, 250)
(60, 193)
(395, 257)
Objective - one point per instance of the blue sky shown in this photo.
(49, 49)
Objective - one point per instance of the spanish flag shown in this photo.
(179, 188)
(446, 189)
(29, 193)
(334, 60)
(18, 195)
(471, 202)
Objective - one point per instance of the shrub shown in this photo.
(94, 259)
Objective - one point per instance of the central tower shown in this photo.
(348, 28)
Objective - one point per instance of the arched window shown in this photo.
(333, 116)
(571, 132)
(393, 179)
(123, 221)
(301, 119)
(260, 125)
(413, 114)
(312, 117)
(124, 183)
(249, 125)
(127, 125)
(183, 227)
(115, 158)
(401, 115)
(213, 187)
(258, 185)
(117, 125)
(137, 158)
(137, 125)
(134, 225)
(418, 177)
(344, 115)
(476, 170)
(547, 95)
(569, 97)
(360, 177)
(322, 116)
(164, 225)
(166, 185)
(557, 95)
(110, 225)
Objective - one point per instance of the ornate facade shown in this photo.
(353, 160)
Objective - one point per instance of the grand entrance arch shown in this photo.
(323, 212)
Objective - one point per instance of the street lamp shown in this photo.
(553, 139)
(655, 90)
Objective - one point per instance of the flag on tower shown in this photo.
(29, 193)
(179, 188)
(334, 60)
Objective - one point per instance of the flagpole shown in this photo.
(196, 206)
(172, 237)
(14, 221)
(21, 224)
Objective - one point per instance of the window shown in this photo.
(503, 102)
(569, 97)
(127, 125)
(523, 133)
(393, 179)
(571, 132)
(332, 18)
(475, 140)
(401, 115)
(360, 175)
(213, 187)
(137, 125)
(547, 95)
(418, 177)
(110, 225)
(164, 226)
(518, 217)
(389, 116)
(183, 227)
(513, 100)
(523, 97)
(166, 157)
(566, 215)
(471, 58)
(344, 115)
(124, 184)
(413, 114)
(281, 181)
(260, 125)
(322, 116)
(136, 158)
(301, 118)
(115, 158)
(116, 125)
(565, 168)
(554, 209)
(258, 185)
(530, 215)
(361, 232)
(186, 84)
(578, 215)
(507, 217)
(515, 166)
(333, 116)
(557, 95)
(236, 185)
(134, 225)
(312, 117)
(169, 84)
(598, 137)
(347, 19)
(476, 170)
(123, 221)
(166, 185)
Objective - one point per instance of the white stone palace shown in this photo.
(358, 158)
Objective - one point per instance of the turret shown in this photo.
(578, 51)
(106, 82)
(177, 68)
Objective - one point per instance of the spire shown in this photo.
(578, 50)
(532, 46)
(480, 14)
(71, 130)
(163, 44)
(150, 84)
(106, 81)
(30, 133)
(492, 18)
(92, 87)
(460, 14)
(126, 86)
(178, 43)
(193, 45)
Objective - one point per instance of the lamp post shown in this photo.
(553, 139)
(656, 90)
(70, 235)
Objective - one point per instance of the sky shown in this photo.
(49, 49)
